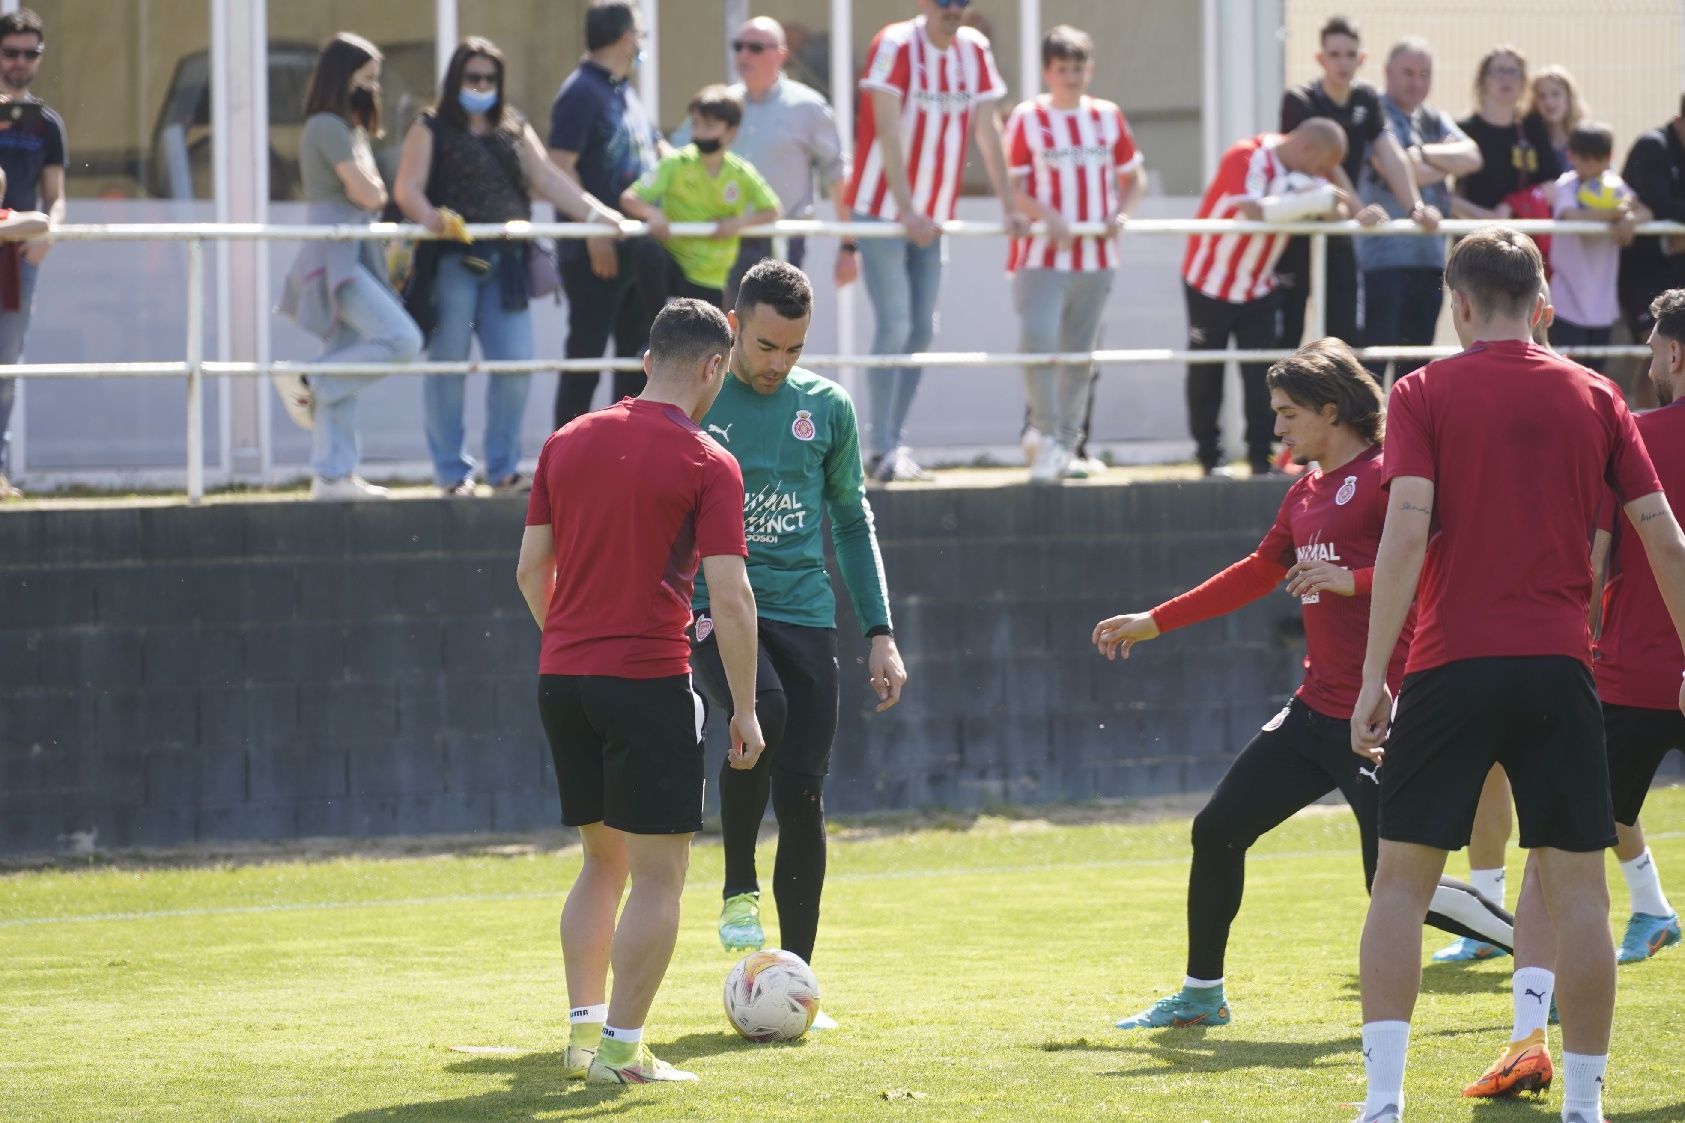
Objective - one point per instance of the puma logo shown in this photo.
(1643, 863)
(1540, 995)
(1367, 1051)
(1370, 774)
(725, 434)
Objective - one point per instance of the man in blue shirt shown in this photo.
(602, 137)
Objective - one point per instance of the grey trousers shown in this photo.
(1059, 311)
(13, 327)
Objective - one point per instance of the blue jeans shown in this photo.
(13, 327)
(903, 281)
(373, 328)
(468, 304)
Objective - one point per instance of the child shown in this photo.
(701, 182)
(1584, 267)
(16, 227)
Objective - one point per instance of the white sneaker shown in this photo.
(1051, 462)
(346, 487)
(823, 1021)
(296, 397)
(1087, 466)
(899, 466)
(1031, 442)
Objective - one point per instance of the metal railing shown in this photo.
(195, 367)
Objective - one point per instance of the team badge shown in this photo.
(732, 192)
(704, 627)
(802, 427)
(1347, 490)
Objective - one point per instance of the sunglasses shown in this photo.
(15, 53)
(741, 45)
(480, 79)
(953, 3)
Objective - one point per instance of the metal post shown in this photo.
(1029, 48)
(444, 34)
(649, 71)
(195, 370)
(1316, 310)
(842, 106)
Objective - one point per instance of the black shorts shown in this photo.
(1638, 739)
(800, 662)
(1537, 716)
(628, 752)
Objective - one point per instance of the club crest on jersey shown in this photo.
(1347, 490)
(802, 427)
(704, 627)
(732, 192)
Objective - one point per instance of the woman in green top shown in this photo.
(338, 291)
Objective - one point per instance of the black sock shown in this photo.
(799, 874)
(743, 798)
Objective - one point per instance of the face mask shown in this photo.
(707, 147)
(638, 59)
(362, 101)
(477, 101)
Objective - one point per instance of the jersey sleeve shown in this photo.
(853, 532)
(993, 86)
(1409, 439)
(1018, 157)
(888, 69)
(1125, 156)
(654, 184)
(824, 144)
(55, 150)
(1631, 473)
(330, 135)
(1235, 587)
(719, 509)
(1295, 110)
(538, 503)
(1375, 120)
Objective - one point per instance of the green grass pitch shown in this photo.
(976, 968)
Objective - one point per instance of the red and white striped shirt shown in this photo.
(938, 91)
(1238, 267)
(1069, 160)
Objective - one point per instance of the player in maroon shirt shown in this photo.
(1497, 459)
(624, 503)
(1328, 411)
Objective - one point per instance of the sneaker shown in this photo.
(1085, 466)
(900, 467)
(823, 1021)
(346, 488)
(9, 490)
(1388, 1114)
(1031, 443)
(1466, 950)
(1524, 1066)
(740, 923)
(512, 485)
(1220, 472)
(1646, 935)
(1051, 462)
(643, 1069)
(1179, 1011)
(576, 1062)
(462, 490)
(296, 397)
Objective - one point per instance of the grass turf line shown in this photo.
(980, 967)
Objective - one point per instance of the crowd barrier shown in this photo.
(195, 367)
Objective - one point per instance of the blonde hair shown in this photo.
(1577, 111)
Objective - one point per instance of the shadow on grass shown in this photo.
(1439, 981)
(693, 1045)
(1197, 1050)
(536, 1086)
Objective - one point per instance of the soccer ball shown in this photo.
(771, 995)
(1600, 194)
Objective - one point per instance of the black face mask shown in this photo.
(707, 147)
(362, 102)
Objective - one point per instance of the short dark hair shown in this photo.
(1326, 372)
(1498, 269)
(687, 331)
(448, 106)
(607, 22)
(1592, 139)
(778, 285)
(1066, 44)
(330, 82)
(1668, 310)
(1338, 25)
(717, 103)
(23, 22)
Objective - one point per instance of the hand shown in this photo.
(605, 259)
(1320, 576)
(1371, 215)
(887, 672)
(1017, 225)
(1372, 721)
(1426, 217)
(921, 231)
(747, 744)
(1625, 228)
(1119, 224)
(450, 225)
(607, 216)
(659, 228)
(847, 269)
(1502, 210)
(727, 227)
(1116, 635)
(1058, 230)
(36, 251)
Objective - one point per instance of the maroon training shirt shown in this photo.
(636, 495)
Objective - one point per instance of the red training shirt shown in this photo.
(1520, 444)
(1638, 659)
(1326, 516)
(636, 495)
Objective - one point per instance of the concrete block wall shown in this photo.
(275, 670)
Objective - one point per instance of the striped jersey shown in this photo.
(1069, 160)
(1238, 267)
(938, 91)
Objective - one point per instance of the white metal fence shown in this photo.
(195, 367)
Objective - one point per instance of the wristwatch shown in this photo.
(848, 245)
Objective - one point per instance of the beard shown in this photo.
(19, 79)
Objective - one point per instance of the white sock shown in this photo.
(630, 1036)
(597, 1013)
(1583, 1085)
(1384, 1047)
(1531, 988)
(1200, 984)
(1645, 886)
(1489, 884)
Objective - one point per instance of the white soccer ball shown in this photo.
(771, 995)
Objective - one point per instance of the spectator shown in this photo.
(472, 157)
(602, 138)
(928, 82)
(338, 291)
(1061, 283)
(1553, 98)
(1229, 279)
(32, 160)
(702, 182)
(789, 136)
(1583, 283)
(1356, 107)
(1514, 153)
(1655, 170)
(1402, 276)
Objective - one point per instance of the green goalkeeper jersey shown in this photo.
(799, 449)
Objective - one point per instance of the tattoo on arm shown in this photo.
(1651, 515)
(1409, 506)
